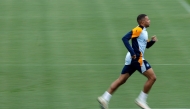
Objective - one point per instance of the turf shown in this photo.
(188, 1)
(63, 54)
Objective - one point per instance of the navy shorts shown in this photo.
(136, 66)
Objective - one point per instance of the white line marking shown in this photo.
(86, 64)
(123, 64)
(185, 5)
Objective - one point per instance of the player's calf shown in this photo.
(105, 98)
(117, 83)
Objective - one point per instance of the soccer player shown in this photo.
(134, 61)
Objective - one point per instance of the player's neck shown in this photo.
(143, 26)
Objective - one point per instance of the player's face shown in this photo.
(146, 21)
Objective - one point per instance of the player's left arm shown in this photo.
(150, 43)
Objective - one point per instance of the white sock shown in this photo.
(143, 96)
(107, 96)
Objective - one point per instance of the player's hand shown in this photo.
(134, 57)
(154, 38)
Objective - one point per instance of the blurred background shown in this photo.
(63, 54)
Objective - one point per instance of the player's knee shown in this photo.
(153, 78)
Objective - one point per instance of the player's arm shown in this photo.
(126, 39)
(132, 34)
(150, 43)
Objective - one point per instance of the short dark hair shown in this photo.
(140, 17)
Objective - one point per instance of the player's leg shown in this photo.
(118, 82)
(151, 79)
(105, 98)
(125, 74)
(148, 72)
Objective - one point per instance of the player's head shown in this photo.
(143, 20)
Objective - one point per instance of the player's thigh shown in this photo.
(145, 69)
(142, 67)
(123, 77)
(150, 74)
(127, 71)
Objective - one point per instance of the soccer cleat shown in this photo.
(103, 103)
(142, 104)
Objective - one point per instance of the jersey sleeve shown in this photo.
(149, 44)
(126, 39)
(136, 32)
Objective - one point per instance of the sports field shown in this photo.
(188, 1)
(63, 54)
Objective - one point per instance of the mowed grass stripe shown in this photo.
(19, 52)
(91, 54)
(110, 31)
(7, 70)
(4, 52)
(82, 46)
(14, 78)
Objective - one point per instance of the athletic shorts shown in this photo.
(136, 66)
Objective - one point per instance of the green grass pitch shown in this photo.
(63, 54)
(188, 1)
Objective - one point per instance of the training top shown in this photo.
(139, 42)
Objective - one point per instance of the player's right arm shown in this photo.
(126, 39)
(132, 34)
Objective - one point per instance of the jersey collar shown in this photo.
(144, 28)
